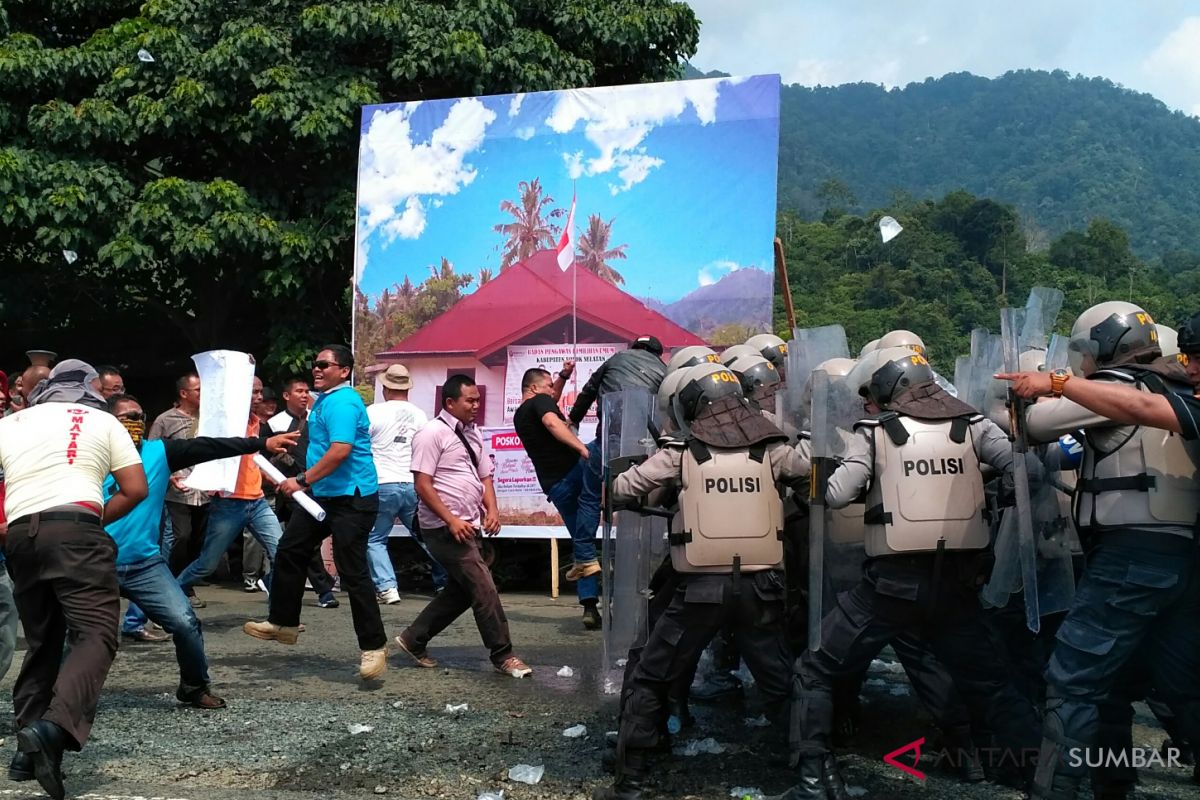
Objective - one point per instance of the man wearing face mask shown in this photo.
(142, 571)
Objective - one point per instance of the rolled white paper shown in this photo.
(306, 502)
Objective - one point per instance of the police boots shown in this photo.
(631, 778)
(819, 779)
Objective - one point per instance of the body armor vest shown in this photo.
(1138, 477)
(927, 490)
(730, 512)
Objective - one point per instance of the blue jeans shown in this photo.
(151, 585)
(227, 518)
(580, 510)
(396, 500)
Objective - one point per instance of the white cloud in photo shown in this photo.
(526, 133)
(711, 273)
(574, 164)
(1177, 59)
(616, 121)
(399, 177)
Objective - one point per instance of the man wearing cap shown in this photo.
(640, 365)
(394, 422)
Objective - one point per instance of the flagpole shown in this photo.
(574, 284)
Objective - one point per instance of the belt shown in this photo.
(56, 516)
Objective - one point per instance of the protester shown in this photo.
(111, 382)
(56, 455)
(394, 423)
(341, 477)
(454, 484)
(187, 508)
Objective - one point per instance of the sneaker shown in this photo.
(269, 631)
(373, 664)
(421, 658)
(249, 585)
(196, 602)
(591, 617)
(515, 667)
(261, 584)
(327, 600)
(388, 597)
(583, 569)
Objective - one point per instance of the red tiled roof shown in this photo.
(525, 298)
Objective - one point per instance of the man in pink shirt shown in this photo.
(457, 502)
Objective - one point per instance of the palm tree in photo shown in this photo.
(594, 252)
(530, 229)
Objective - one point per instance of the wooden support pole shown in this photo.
(554, 568)
(781, 277)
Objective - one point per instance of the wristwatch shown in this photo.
(1058, 381)
(302, 479)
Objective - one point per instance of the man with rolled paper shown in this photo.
(340, 475)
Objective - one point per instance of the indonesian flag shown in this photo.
(566, 245)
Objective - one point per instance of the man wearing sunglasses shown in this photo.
(340, 475)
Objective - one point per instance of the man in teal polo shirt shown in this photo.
(340, 476)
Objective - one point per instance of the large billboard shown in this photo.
(499, 232)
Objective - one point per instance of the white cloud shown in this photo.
(525, 133)
(713, 272)
(396, 173)
(514, 107)
(1176, 63)
(618, 120)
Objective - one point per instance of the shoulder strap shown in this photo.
(470, 450)
(958, 429)
(894, 428)
(698, 449)
(758, 452)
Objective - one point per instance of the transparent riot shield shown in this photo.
(808, 348)
(633, 545)
(835, 540)
(986, 359)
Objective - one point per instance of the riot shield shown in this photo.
(633, 545)
(808, 348)
(986, 359)
(835, 540)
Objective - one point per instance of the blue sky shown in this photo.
(1151, 46)
(687, 170)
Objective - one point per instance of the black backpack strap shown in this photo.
(894, 428)
(699, 450)
(958, 429)
(1137, 483)
(758, 452)
(877, 516)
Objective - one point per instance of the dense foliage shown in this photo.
(179, 174)
(957, 262)
(1063, 150)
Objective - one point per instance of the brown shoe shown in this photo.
(584, 569)
(515, 667)
(269, 631)
(373, 664)
(200, 699)
(145, 635)
(421, 658)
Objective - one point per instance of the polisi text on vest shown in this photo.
(934, 466)
(732, 485)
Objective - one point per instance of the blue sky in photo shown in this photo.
(688, 171)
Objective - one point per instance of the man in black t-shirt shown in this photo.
(560, 458)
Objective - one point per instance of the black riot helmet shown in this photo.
(759, 377)
(897, 374)
(701, 386)
(1189, 337)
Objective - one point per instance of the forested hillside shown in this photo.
(1063, 150)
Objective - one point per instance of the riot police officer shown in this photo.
(725, 548)
(1136, 507)
(927, 547)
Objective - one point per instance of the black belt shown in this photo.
(57, 516)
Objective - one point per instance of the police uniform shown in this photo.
(1137, 505)
(927, 547)
(727, 552)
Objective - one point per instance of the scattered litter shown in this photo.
(566, 672)
(698, 746)
(899, 691)
(380, 790)
(70, 256)
(516, 714)
(491, 795)
(760, 721)
(879, 665)
(889, 229)
(345, 766)
(524, 773)
(621, 662)
(357, 728)
(398, 704)
(746, 793)
(145, 57)
(853, 791)
(575, 731)
(611, 687)
(674, 726)
(456, 708)
(610, 733)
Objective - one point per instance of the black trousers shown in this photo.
(64, 576)
(318, 576)
(349, 521)
(701, 605)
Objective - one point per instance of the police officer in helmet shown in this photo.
(726, 549)
(1136, 507)
(927, 546)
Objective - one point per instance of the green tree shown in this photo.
(595, 253)
(208, 185)
(530, 230)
